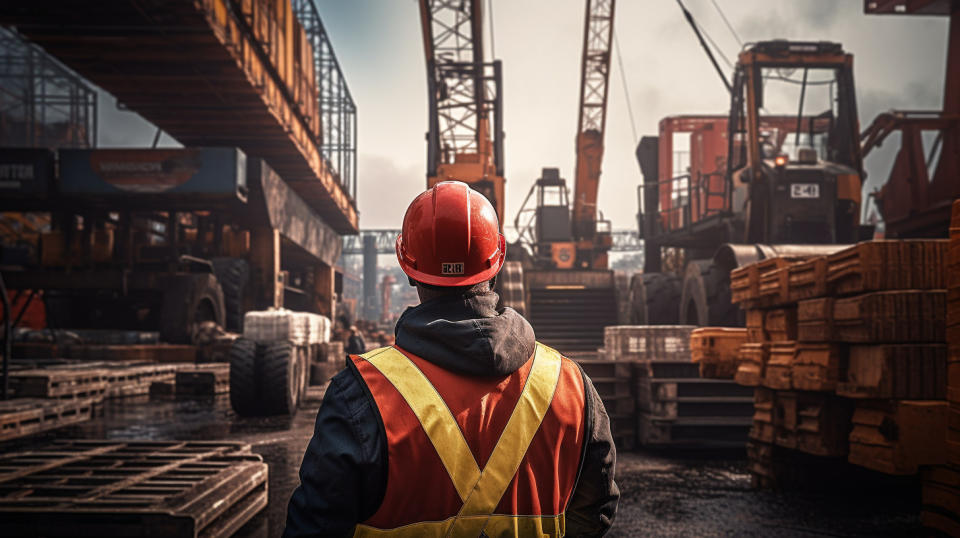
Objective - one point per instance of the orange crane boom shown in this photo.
(593, 239)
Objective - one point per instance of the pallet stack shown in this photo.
(941, 483)
(847, 357)
(671, 403)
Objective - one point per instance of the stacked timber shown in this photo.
(847, 356)
(941, 483)
(672, 403)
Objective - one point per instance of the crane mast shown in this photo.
(592, 237)
(465, 137)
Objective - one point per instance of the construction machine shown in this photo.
(781, 173)
(916, 198)
(570, 294)
(465, 136)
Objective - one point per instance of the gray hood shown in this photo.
(467, 334)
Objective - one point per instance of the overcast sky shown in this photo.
(899, 63)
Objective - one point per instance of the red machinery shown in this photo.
(915, 200)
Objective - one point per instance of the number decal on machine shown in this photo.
(804, 190)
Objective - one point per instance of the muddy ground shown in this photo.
(664, 493)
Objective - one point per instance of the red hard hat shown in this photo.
(451, 237)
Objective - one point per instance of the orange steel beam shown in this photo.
(208, 72)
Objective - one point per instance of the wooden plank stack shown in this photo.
(941, 483)
(716, 350)
(847, 355)
(143, 488)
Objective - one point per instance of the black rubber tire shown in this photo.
(189, 300)
(279, 378)
(244, 396)
(233, 274)
(705, 299)
(654, 299)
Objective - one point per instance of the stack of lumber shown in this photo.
(941, 483)
(670, 403)
(847, 355)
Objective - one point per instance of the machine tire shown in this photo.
(280, 378)
(705, 299)
(654, 298)
(233, 274)
(244, 395)
(189, 300)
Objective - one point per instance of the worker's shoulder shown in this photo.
(372, 353)
(566, 362)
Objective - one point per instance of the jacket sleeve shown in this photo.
(344, 471)
(595, 498)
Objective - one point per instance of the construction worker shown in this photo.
(467, 426)
(355, 344)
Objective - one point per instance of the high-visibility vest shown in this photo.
(476, 456)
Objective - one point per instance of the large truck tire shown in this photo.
(244, 396)
(233, 274)
(280, 378)
(188, 301)
(655, 299)
(705, 299)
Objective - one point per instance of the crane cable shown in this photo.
(703, 44)
(623, 78)
(727, 22)
(493, 47)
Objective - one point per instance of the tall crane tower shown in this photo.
(592, 236)
(465, 137)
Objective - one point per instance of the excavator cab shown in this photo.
(793, 143)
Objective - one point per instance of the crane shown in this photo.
(465, 137)
(593, 240)
(557, 237)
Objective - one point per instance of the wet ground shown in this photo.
(663, 494)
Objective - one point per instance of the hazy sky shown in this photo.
(899, 63)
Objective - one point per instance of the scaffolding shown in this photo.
(42, 103)
(338, 112)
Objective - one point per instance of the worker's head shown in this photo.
(353, 329)
(451, 241)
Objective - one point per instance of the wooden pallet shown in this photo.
(754, 323)
(125, 381)
(21, 417)
(888, 265)
(896, 371)
(203, 379)
(716, 350)
(763, 416)
(59, 382)
(780, 324)
(940, 495)
(778, 372)
(823, 424)
(133, 353)
(891, 316)
(745, 282)
(807, 279)
(816, 367)
(752, 364)
(815, 320)
(101, 488)
(898, 436)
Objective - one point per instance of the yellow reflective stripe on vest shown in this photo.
(434, 416)
(496, 525)
(480, 491)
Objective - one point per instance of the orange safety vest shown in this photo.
(476, 456)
